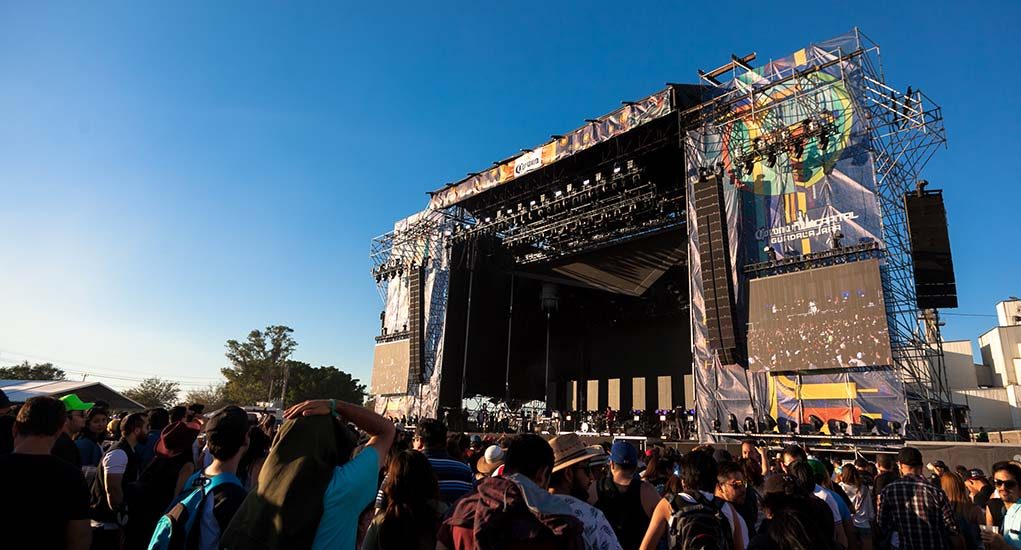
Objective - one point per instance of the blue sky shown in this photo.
(174, 176)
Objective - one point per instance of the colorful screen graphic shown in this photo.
(824, 318)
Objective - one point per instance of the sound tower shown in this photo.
(717, 284)
(935, 286)
(416, 324)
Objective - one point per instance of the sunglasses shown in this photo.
(1005, 483)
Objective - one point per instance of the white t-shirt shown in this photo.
(114, 462)
(830, 501)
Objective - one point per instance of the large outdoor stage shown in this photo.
(750, 253)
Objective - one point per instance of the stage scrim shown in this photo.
(825, 318)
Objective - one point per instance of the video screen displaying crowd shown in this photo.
(336, 475)
(804, 321)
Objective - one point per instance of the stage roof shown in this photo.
(19, 391)
(632, 115)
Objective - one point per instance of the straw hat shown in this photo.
(569, 449)
(490, 461)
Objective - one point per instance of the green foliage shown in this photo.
(308, 382)
(213, 397)
(155, 392)
(257, 365)
(26, 371)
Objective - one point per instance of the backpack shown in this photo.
(174, 529)
(700, 525)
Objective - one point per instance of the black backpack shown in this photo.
(699, 525)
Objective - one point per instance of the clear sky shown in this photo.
(174, 176)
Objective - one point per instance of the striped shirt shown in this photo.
(455, 478)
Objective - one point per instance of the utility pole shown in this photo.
(283, 389)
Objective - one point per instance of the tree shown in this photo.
(212, 397)
(26, 371)
(308, 382)
(154, 392)
(257, 372)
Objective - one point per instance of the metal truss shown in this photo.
(409, 245)
(905, 129)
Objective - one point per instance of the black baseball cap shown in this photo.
(227, 427)
(976, 473)
(910, 456)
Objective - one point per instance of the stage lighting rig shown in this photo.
(768, 424)
(816, 423)
(732, 423)
(749, 425)
(836, 426)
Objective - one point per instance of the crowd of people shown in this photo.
(337, 475)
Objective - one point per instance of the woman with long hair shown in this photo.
(91, 437)
(412, 514)
(861, 499)
(968, 514)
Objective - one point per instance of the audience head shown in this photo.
(885, 462)
(1006, 476)
(227, 433)
(953, 487)
(976, 480)
(572, 473)
(529, 455)
(178, 413)
(752, 471)
(909, 459)
(158, 419)
(731, 484)
(792, 453)
(698, 471)
(42, 417)
(803, 477)
(849, 475)
(623, 457)
(95, 424)
(76, 410)
(431, 434)
(134, 426)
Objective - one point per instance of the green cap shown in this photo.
(818, 468)
(73, 403)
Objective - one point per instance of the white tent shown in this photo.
(19, 391)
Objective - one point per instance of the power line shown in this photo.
(94, 370)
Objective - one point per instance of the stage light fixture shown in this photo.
(531, 203)
(769, 423)
(771, 160)
(716, 425)
(749, 424)
(586, 182)
(557, 193)
(720, 170)
(798, 149)
(732, 423)
(486, 220)
(868, 423)
(895, 427)
(748, 165)
(824, 142)
(836, 426)
(599, 176)
(816, 422)
(616, 168)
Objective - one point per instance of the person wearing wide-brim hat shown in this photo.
(570, 481)
(490, 461)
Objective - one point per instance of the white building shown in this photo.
(990, 389)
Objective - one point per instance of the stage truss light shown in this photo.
(732, 423)
(836, 426)
(867, 423)
(816, 423)
(771, 160)
(769, 423)
(749, 424)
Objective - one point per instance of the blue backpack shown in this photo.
(175, 527)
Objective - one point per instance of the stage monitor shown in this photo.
(390, 368)
(824, 318)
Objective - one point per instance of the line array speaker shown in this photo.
(416, 323)
(717, 285)
(935, 286)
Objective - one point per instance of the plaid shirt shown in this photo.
(919, 512)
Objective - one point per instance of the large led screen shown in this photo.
(824, 318)
(390, 368)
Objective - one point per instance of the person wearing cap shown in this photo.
(47, 501)
(6, 425)
(227, 437)
(64, 448)
(627, 501)
(917, 510)
(570, 482)
(978, 487)
(490, 462)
